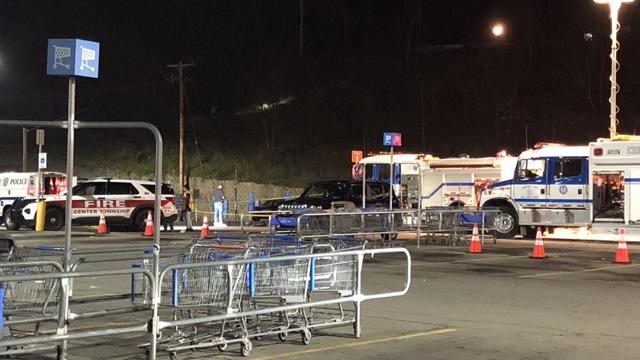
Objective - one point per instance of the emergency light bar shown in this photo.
(541, 144)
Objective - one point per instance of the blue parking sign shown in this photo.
(386, 139)
(73, 57)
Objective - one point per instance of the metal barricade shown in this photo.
(355, 222)
(448, 224)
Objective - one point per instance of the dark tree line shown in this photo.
(427, 70)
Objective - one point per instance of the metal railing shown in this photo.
(453, 222)
(355, 222)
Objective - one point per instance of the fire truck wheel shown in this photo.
(506, 223)
(53, 219)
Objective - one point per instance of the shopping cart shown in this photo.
(60, 53)
(27, 297)
(333, 275)
(32, 301)
(204, 291)
(86, 56)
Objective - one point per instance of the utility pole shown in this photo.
(180, 67)
(301, 42)
(24, 149)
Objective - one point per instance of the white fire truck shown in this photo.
(435, 181)
(596, 187)
(15, 185)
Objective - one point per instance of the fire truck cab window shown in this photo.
(531, 168)
(567, 168)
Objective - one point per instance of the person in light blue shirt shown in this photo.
(218, 200)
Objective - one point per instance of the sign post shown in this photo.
(71, 58)
(356, 156)
(42, 164)
(391, 139)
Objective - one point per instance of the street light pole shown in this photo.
(614, 7)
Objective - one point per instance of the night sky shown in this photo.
(367, 67)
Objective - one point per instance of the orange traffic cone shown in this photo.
(622, 254)
(204, 230)
(538, 246)
(474, 244)
(102, 225)
(148, 230)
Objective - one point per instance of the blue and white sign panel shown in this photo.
(73, 57)
(42, 160)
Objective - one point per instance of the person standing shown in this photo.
(165, 222)
(186, 209)
(218, 200)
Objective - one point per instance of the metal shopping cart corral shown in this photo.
(194, 292)
(356, 298)
(451, 225)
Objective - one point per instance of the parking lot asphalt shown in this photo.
(500, 304)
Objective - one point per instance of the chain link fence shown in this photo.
(241, 196)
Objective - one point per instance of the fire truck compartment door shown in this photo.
(568, 183)
(432, 188)
(632, 196)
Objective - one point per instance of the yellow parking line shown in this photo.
(578, 271)
(429, 263)
(506, 257)
(356, 344)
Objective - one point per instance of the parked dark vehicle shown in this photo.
(324, 195)
(336, 194)
(270, 205)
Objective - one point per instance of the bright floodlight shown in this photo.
(612, 1)
(497, 30)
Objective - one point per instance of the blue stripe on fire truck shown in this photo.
(570, 201)
(435, 191)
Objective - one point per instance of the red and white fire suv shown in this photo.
(123, 203)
